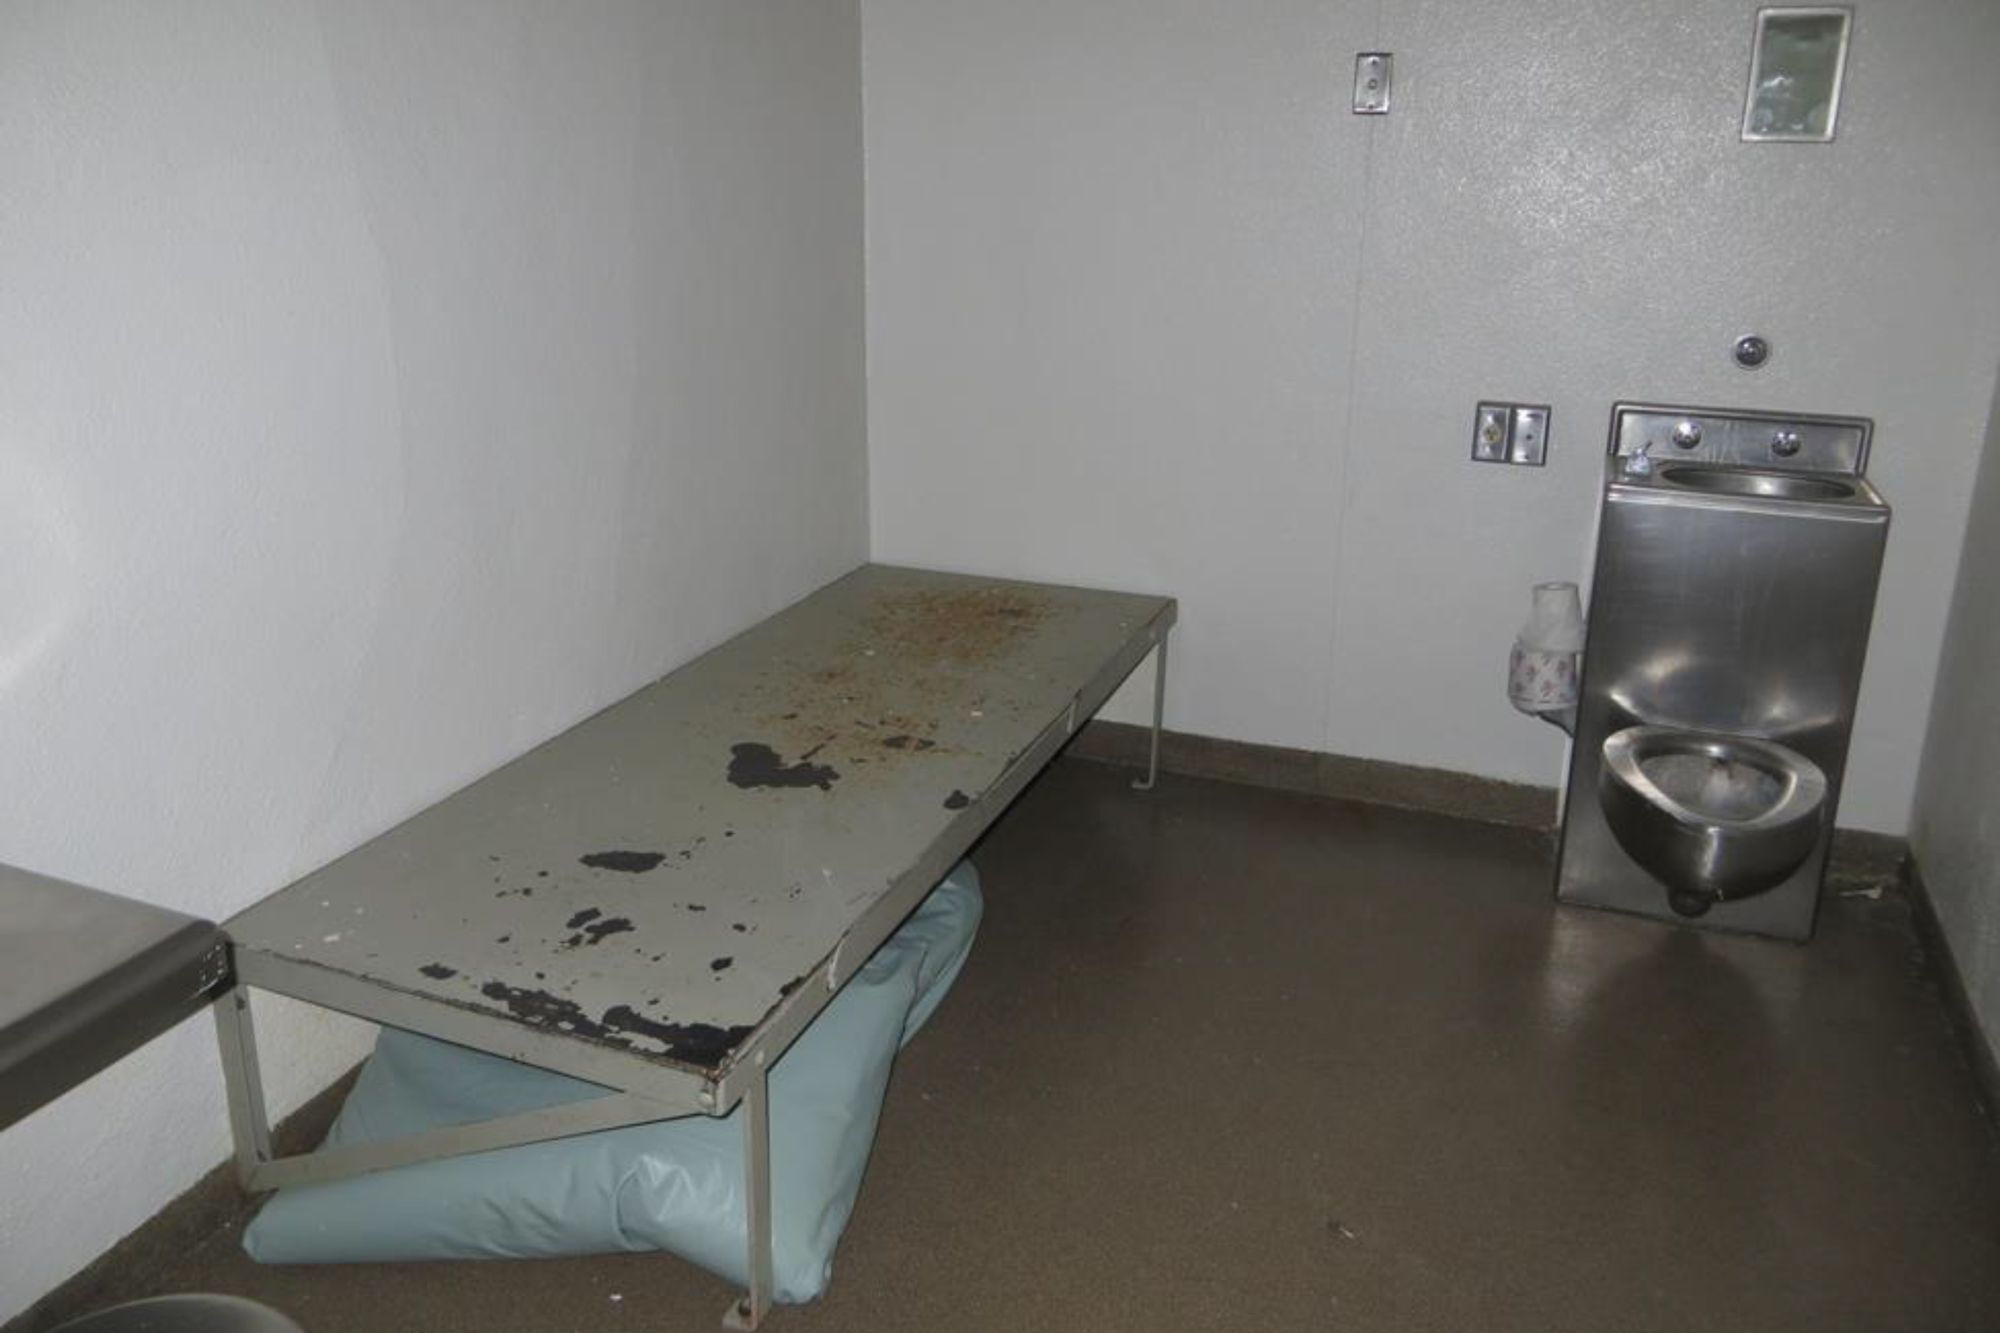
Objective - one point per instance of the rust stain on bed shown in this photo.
(880, 702)
(957, 626)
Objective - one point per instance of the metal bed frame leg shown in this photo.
(749, 1310)
(249, 1125)
(1159, 707)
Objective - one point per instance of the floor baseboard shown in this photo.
(1859, 859)
(1979, 1051)
(206, 1207)
(1342, 777)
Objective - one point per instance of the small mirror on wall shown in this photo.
(1796, 67)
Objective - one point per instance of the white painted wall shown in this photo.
(1148, 306)
(1112, 256)
(1955, 831)
(382, 388)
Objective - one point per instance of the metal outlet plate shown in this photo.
(1528, 439)
(1374, 71)
(1489, 433)
(1515, 433)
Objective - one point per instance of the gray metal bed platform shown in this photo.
(660, 899)
(87, 978)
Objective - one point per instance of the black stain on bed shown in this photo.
(504, 939)
(738, 927)
(958, 800)
(627, 863)
(541, 1009)
(591, 926)
(753, 764)
(697, 907)
(692, 1043)
(905, 742)
(633, 1021)
(438, 971)
(610, 925)
(721, 964)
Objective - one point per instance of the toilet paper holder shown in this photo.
(1545, 663)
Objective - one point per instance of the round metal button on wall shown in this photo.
(1752, 351)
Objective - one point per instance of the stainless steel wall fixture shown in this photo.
(1737, 560)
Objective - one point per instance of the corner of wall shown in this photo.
(1954, 842)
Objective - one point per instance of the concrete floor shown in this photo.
(1226, 1057)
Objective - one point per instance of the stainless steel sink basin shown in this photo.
(1763, 485)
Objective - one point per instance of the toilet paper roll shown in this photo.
(1540, 680)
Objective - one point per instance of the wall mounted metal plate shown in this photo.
(1528, 440)
(1511, 433)
(1373, 71)
(1489, 433)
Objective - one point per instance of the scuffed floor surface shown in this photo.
(1228, 1058)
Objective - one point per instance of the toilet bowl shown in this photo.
(1713, 817)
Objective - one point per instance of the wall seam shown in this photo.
(1344, 497)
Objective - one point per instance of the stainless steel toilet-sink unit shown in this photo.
(1737, 558)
